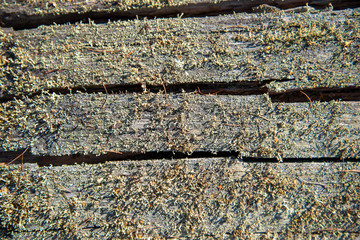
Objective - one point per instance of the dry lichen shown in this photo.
(309, 51)
(60, 125)
(41, 7)
(219, 198)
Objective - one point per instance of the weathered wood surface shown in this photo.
(30, 14)
(251, 125)
(290, 51)
(198, 198)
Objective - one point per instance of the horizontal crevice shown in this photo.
(316, 232)
(243, 88)
(6, 157)
(232, 88)
(21, 20)
(220, 88)
(317, 94)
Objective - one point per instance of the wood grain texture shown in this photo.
(199, 198)
(31, 14)
(59, 125)
(43, 110)
(292, 51)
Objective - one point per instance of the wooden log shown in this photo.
(278, 52)
(197, 198)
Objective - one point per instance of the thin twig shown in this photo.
(233, 125)
(308, 98)
(209, 92)
(103, 51)
(312, 183)
(111, 151)
(53, 70)
(167, 100)
(22, 154)
(211, 40)
(238, 26)
(332, 136)
(260, 117)
(160, 80)
(201, 93)
(353, 170)
(85, 221)
(105, 97)
(127, 55)
(329, 230)
(322, 68)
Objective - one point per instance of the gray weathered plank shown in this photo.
(198, 198)
(294, 50)
(59, 125)
(29, 14)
